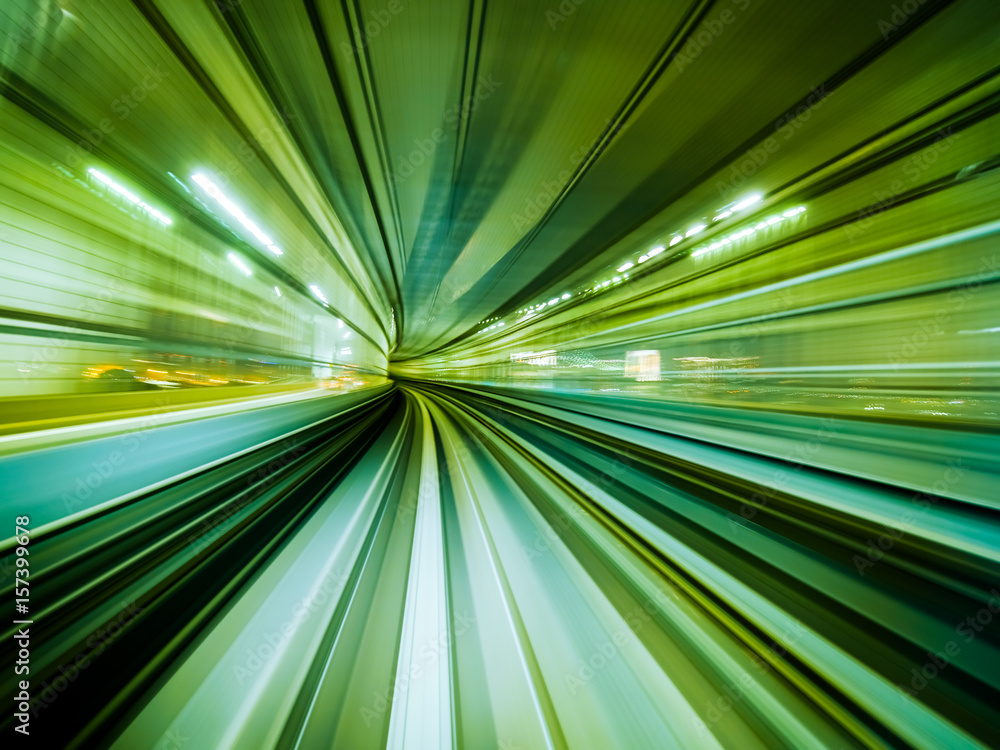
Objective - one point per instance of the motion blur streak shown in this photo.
(493, 375)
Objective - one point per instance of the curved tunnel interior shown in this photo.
(508, 374)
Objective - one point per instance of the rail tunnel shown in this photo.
(500, 374)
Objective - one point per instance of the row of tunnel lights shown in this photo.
(675, 240)
(680, 237)
(529, 310)
(215, 192)
(223, 200)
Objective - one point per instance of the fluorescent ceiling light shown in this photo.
(747, 202)
(212, 189)
(319, 295)
(129, 195)
(239, 264)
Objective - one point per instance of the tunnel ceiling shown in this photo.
(461, 157)
(481, 151)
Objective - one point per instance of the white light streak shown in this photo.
(212, 189)
(239, 263)
(319, 295)
(747, 231)
(130, 196)
(747, 202)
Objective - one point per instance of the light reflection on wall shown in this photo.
(538, 359)
(643, 365)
